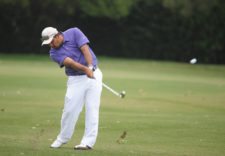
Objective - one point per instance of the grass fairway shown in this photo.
(171, 109)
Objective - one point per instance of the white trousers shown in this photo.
(81, 91)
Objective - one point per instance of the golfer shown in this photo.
(70, 49)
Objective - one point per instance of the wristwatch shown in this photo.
(91, 67)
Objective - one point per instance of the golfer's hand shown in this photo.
(89, 73)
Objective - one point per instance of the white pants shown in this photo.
(82, 90)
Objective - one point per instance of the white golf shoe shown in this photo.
(82, 147)
(57, 144)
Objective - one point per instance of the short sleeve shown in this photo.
(58, 58)
(80, 38)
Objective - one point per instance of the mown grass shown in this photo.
(171, 109)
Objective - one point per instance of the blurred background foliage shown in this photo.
(176, 30)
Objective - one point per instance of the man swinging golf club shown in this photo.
(70, 49)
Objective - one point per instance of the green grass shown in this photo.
(171, 109)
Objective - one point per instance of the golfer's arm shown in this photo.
(87, 54)
(68, 62)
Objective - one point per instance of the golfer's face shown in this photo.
(56, 42)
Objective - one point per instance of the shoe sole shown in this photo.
(83, 148)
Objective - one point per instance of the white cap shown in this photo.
(48, 34)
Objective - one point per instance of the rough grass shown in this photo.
(171, 109)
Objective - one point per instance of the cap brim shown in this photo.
(48, 41)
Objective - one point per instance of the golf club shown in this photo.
(121, 94)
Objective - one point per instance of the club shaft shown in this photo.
(110, 89)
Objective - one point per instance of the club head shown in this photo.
(122, 94)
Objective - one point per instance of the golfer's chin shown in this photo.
(56, 46)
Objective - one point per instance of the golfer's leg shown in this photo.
(74, 101)
(92, 103)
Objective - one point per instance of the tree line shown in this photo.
(150, 29)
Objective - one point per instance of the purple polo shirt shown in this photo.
(73, 40)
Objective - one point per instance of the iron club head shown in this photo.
(122, 94)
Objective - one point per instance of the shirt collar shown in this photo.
(65, 37)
